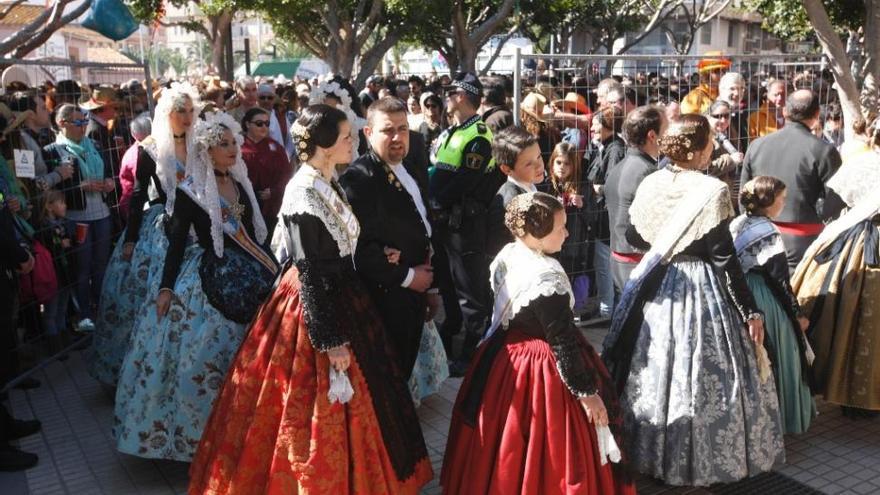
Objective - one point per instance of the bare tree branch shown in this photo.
(501, 43)
(9, 8)
(190, 25)
(482, 33)
(662, 12)
(32, 39)
(369, 23)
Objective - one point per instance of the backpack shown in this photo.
(40, 284)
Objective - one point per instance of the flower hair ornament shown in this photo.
(678, 140)
(208, 133)
(329, 87)
(301, 135)
(162, 135)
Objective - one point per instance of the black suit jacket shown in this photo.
(388, 217)
(805, 163)
(620, 190)
(497, 234)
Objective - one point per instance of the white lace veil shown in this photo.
(172, 98)
(332, 88)
(207, 133)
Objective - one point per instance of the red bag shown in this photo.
(41, 284)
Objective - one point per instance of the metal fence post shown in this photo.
(517, 84)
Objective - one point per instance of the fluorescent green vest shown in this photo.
(449, 154)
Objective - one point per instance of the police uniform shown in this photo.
(463, 181)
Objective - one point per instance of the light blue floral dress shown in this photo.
(431, 368)
(123, 293)
(176, 366)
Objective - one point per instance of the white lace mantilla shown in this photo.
(663, 193)
(756, 241)
(857, 179)
(519, 276)
(309, 192)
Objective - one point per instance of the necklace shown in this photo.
(179, 137)
(223, 176)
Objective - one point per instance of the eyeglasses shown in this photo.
(77, 122)
(720, 115)
(260, 123)
(267, 97)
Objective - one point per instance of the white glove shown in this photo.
(608, 449)
(340, 388)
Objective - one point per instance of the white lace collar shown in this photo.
(521, 275)
(309, 192)
(858, 178)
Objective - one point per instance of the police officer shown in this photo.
(463, 181)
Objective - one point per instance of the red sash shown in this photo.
(799, 229)
(627, 257)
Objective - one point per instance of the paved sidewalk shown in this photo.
(77, 454)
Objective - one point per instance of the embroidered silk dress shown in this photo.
(273, 429)
(176, 366)
(762, 256)
(696, 410)
(125, 287)
(838, 285)
(518, 425)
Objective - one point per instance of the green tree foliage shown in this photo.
(788, 19)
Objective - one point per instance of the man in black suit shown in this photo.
(642, 129)
(518, 156)
(805, 163)
(388, 195)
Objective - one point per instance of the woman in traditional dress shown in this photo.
(536, 402)
(697, 410)
(208, 292)
(837, 285)
(160, 166)
(762, 256)
(284, 422)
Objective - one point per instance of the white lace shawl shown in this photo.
(309, 192)
(756, 240)
(858, 178)
(200, 167)
(519, 276)
(658, 198)
(161, 140)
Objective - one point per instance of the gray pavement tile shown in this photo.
(865, 488)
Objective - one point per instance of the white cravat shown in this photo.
(413, 189)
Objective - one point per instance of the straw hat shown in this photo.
(101, 97)
(714, 61)
(13, 120)
(546, 90)
(533, 104)
(573, 103)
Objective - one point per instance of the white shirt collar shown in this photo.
(523, 185)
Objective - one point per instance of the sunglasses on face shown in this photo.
(267, 97)
(430, 106)
(720, 115)
(78, 122)
(260, 123)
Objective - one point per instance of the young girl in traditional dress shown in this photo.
(762, 256)
(279, 425)
(686, 337)
(533, 412)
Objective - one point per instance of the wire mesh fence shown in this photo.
(582, 100)
(67, 195)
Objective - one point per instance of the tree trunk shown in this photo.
(220, 31)
(833, 48)
(467, 55)
(870, 97)
(373, 57)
